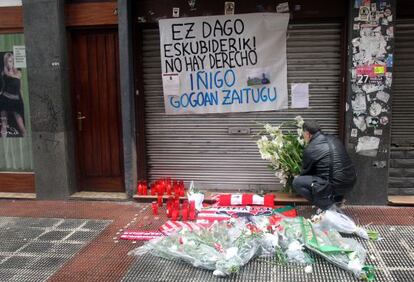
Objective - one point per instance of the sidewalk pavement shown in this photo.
(79, 241)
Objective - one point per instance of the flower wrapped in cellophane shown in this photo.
(284, 150)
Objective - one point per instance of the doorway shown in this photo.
(96, 109)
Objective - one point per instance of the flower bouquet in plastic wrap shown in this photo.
(345, 253)
(223, 247)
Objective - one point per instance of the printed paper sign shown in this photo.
(300, 95)
(230, 63)
(19, 53)
(171, 84)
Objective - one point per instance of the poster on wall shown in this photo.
(12, 122)
(221, 64)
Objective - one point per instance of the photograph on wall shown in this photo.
(12, 122)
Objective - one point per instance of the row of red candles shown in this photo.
(188, 211)
(161, 187)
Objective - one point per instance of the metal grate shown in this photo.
(32, 249)
(392, 257)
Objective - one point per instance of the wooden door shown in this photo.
(96, 109)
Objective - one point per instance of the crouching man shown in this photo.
(327, 171)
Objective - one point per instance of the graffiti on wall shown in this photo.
(371, 74)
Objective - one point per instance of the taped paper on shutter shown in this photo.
(171, 84)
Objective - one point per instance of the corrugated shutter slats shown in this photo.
(402, 122)
(200, 148)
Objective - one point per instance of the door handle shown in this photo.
(80, 117)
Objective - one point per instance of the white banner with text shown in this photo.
(221, 64)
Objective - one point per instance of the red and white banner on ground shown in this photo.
(140, 235)
(244, 200)
(173, 226)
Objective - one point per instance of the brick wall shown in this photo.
(401, 178)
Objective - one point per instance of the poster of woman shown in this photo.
(11, 101)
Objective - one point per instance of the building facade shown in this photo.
(94, 112)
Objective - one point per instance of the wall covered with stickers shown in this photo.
(371, 43)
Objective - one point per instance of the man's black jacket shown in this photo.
(326, 157)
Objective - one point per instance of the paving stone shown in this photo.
(70, 224)
(17, 262)
(31, 249)
(54, 235)
(82, 236)
(95, 225)
(37, 247)
(10, 246)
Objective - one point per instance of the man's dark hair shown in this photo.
(311, 126)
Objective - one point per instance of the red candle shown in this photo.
(145, 189)
(154, 208)
(174, 215)
(139, 189)
(192, 206)
(184, 213)
(191, 215)
(153, 189)
(160, 200)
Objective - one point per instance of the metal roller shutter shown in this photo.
(200, 148)
(402, 125)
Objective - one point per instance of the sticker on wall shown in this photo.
(367, 146)
(378, 132)
(390, 61)
(370, 88)
(354, 132)
(192, 4)
(346, 106)
(387, 12)
(390, 31)
(176, 12)
(364, 13)
(383, 96)
(356, 88)
(357, 4)
(282, 7)
(359, 122)
(375, 109)
(384, 120)
(388, 79)
(373, 7)
(359, 104)
(356, 26)
(372, 121)
(379, 164)
(229, 8)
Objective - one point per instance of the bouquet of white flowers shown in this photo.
(284, 150)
